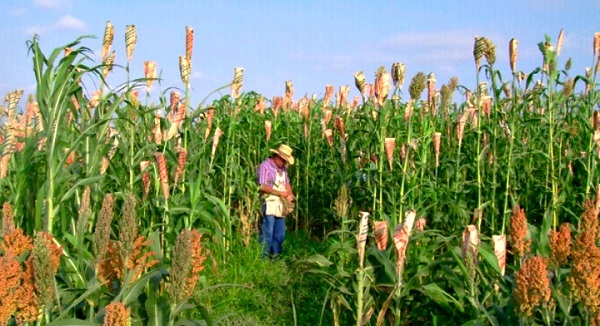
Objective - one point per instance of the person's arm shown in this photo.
(263, 183)
(290, 193)
(270, 191)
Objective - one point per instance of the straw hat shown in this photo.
(285, 152)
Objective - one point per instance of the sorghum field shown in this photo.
(124, 209)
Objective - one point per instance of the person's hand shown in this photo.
(290, 197)
(282, 193)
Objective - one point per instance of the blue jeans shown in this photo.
(272, 233)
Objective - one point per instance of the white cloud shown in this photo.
(69, 22)
(49, 4)
(32, 30)
(438, 49)
(65, 23)
(435, 49)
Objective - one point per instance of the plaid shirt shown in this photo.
(267, 172)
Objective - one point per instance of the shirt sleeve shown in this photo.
(262, 173)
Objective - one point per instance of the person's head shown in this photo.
(282, 155)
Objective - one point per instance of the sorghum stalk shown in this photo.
(361, 242)
(425, 148)
(52, 93)
(505, 211)
(459, 132)
(479, 49)
(550, 59)
(494, 148)
(382, 118)
(591, 100)
(308, 149)
(513, 56)
(163, 175)
(406, 156)
(478, 161)
(189, 46)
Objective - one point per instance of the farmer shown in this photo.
(276, 199)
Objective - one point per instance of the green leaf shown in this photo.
(563, 303)
(158, 310)
(319, 260)
(179, 210)
(437, 294)
(490, 258)
(130, 294)
(190, 322)
(80, 183)
(72, 322)
(92, 287)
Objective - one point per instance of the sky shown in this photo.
(311, 43)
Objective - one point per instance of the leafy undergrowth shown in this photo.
(249, 290)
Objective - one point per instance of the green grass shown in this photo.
(251, 290)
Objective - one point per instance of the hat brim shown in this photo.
(287, 158)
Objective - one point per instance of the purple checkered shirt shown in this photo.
(267, 172)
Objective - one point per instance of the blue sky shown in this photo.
(312, 43)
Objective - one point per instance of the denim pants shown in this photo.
(272, 233)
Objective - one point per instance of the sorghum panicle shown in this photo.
(417, 86)
(532, 286)
(46, 260)
(359, 81)
(187, 261)
(117, 315)
(102, 231)
(189, 42)
(180, 265)
(85, 211)
(8, 223)
(13, 293)
(128, 227)
(478, 50)
(390, 147)
(490, 52)
(381, 234)
(560, 245)
(15, 243)
(519, 232)
(584, 276)
(361, 236)
(130, 40)
(589, 220)
(198, 255)
(109, 34)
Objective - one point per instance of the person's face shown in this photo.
(279, 161)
